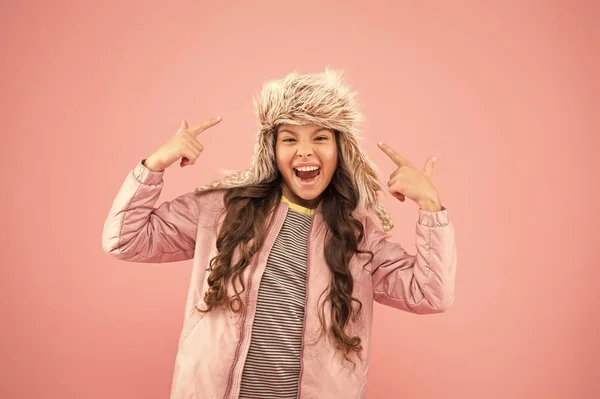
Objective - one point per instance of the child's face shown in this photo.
(305, 146)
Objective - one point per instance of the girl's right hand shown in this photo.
(184, 144)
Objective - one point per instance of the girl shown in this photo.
(287, 258)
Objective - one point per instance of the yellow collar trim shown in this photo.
(298, 208)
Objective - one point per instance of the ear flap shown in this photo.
(386, 221)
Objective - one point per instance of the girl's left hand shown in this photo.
(408, 181)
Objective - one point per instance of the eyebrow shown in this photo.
(295, 133)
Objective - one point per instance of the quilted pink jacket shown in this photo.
(213, 346)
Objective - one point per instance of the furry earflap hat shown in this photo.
(317, 98)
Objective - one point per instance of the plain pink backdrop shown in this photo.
(505, 94)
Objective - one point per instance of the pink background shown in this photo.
(505, 94)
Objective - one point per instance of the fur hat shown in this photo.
(317, 98)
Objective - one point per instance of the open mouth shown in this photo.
(307, 174)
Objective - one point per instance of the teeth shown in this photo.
(307, 168)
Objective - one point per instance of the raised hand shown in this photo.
(409, 182)
(184, 144)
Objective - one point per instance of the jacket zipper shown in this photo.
(305, 306)
(239, 345)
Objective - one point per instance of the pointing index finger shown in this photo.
(196, 130)
(394, 156)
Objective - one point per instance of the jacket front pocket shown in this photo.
(191, 323)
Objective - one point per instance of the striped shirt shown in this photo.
(272, 366)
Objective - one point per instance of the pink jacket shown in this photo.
(213, 346)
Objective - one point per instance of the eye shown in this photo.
(322, 138)
(288, 140)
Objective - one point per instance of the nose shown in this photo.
(305, 149)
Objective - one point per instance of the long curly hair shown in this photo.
(244, 228)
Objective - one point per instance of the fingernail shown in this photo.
(380, 143)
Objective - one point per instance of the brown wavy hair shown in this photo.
(247, 209)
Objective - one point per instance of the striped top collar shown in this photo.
(298, 208)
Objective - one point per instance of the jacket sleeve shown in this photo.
(421, 283)
(137, 231)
